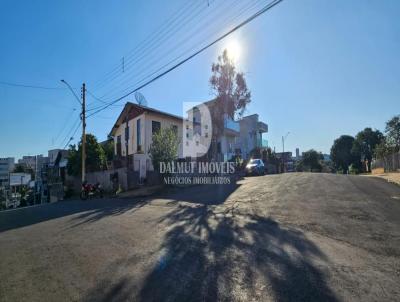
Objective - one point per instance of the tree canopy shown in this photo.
(231, 92)
(365, 143)
(95, 156)
(310, 161)
(164, 147)
(392, 131)
(342, 154)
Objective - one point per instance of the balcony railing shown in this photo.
(262, 127)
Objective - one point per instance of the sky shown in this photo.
(316, 68)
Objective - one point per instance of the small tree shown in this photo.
(164, 147)
(310, 161)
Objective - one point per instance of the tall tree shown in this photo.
(95, 156)
(231, 93)
(341, 153)
(392, 131)
(365, 143)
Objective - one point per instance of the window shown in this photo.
(155, 127)
(175, 129)
(126, 133)
(119, 146)
(138, 136)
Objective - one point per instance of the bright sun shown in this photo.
(233, 48)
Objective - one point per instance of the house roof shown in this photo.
(132, 110)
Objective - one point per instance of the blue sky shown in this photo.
(318, 69)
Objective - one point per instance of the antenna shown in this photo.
(140, 99)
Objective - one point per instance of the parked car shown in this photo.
(255, 167)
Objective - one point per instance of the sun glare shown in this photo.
(233, 48)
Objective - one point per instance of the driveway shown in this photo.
(288, 237)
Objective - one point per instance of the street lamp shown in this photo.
(73, 92)
(283, 151)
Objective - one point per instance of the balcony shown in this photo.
(262, 127)
(231, 125)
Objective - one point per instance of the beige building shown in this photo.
(133, 131)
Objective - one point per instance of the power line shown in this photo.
(64, 125)
(226, 21)
(31, 86)
(72, 136)
(251, 18)
(77, 122)
(197, 28)
(99, 100)
(147, 42)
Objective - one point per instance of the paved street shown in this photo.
(291, 237)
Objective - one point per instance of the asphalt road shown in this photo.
(292, 237)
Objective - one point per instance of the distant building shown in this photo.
(52, 155)
(34, 162)
(297, 152)
(6, 166)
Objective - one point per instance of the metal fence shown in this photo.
(390, 163)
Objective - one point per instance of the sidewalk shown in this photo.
(393, 177)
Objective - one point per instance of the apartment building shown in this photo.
(6, 166)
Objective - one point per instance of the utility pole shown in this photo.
(83, 118)
(283, 152)
(83, 132)
(126, 150)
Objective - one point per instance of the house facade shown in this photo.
(251, 134)
(227, 143)
(132, 134)
(133, 131)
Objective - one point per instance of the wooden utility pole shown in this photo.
(127, 149)
(83, 132)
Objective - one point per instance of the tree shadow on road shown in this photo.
(91, 211)
(214, 254)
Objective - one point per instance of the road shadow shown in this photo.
(201, 194)
(214, 254)
(92, 210)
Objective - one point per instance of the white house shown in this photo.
(236, 137)
(133, 131)
(227, 143)
(251, 134)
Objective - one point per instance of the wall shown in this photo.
(146, 131)
(104, 178)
